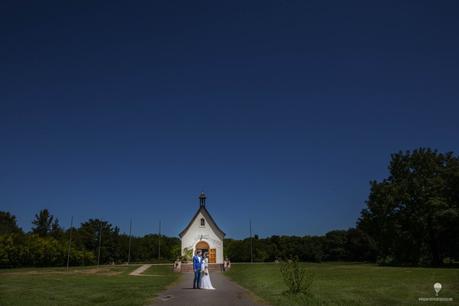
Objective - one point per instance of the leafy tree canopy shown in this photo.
(413, 215)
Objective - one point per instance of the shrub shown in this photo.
(187, 254)
(297, 278)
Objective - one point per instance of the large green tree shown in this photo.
(87, 238)
(413, 215)
(43, 223)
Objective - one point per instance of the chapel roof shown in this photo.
(203, 210)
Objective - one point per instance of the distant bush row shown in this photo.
(338, 245)
(18, 250)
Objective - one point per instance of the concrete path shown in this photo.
(140, 270)
(226, 293)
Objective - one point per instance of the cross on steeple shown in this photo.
(202, 199)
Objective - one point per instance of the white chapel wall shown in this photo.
(196, 233)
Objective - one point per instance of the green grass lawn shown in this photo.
(351, 284)
(107, 285)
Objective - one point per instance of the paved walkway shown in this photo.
(226, 293)
(140, 270)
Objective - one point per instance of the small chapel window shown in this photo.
(203, 222)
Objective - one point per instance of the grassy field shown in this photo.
(351, 284)
(107, 285)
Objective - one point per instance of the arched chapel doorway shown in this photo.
(204, 247)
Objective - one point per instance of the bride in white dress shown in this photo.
(205, 279)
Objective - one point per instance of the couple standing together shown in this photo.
(201, 271)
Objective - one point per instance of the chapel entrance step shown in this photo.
(188, 267)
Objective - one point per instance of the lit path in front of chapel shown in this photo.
(226, 293)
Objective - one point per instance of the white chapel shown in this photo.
(204, 234)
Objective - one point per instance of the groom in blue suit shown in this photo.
(197, 259)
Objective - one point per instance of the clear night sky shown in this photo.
(280, 111)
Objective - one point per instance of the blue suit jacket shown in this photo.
(196, 263)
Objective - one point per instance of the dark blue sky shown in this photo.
(280, 111)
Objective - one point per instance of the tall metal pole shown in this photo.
(159, 241)
(70, 242)
(129, 252)
(251, 241)
(100, 240)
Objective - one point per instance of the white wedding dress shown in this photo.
(205, 279)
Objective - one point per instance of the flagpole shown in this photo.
(70, 242)
(159, 240)
(251, 241)
(129, 251)
(100, 240)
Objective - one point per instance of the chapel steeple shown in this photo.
(202, 199)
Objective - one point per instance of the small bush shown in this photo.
(297, 278)
(187, 255)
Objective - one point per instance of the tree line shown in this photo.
(47, 244)
(336, 245)
(411, 218)
(94, 241)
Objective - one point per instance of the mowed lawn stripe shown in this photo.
(350, 284)
(108, 285)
